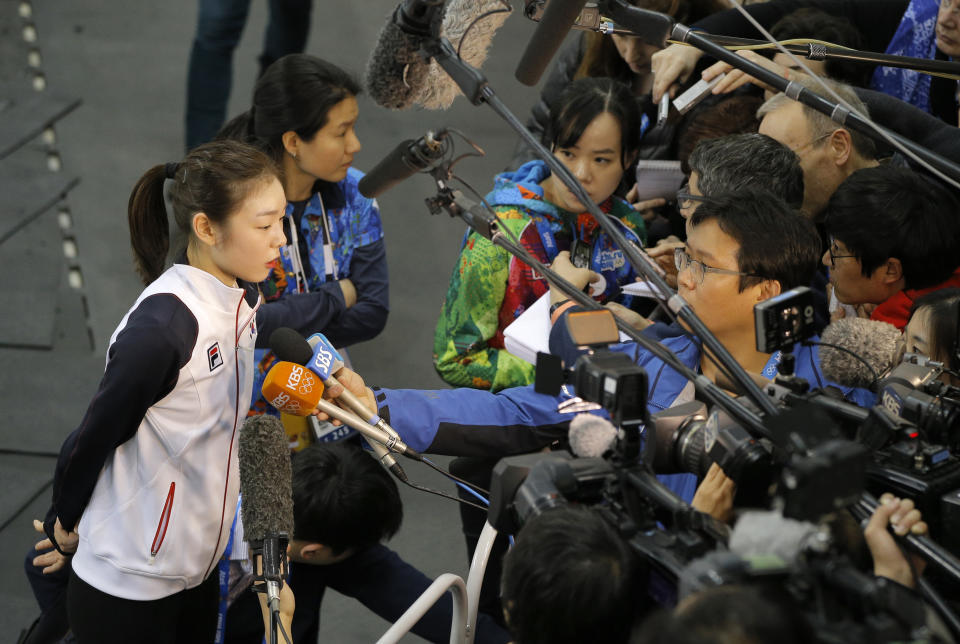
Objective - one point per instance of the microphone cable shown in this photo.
(873, 372)
(507, 8)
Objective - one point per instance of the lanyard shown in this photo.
(223, 571)
(329, 263)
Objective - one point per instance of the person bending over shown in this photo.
(344, 506)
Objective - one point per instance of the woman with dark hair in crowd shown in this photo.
(593, 130)
(934, 330)
(332, 276)
(145, 488)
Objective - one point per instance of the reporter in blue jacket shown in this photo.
(741, 249)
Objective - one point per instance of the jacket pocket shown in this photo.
(163, 524)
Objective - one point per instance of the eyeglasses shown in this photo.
(952, 5)
(834, 257)
(796, 149)
(699, 270)
(685, 200)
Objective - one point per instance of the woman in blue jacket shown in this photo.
(332, 277)
(145, 488)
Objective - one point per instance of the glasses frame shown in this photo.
(833, 258)
(811, 142)
(683, 195)
(682, 260)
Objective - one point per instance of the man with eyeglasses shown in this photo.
(828, 152)
(894, 235)
(728, 164)
(742, 249)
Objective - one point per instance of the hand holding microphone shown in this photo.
(294, 389)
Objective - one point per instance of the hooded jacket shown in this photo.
(489, 288)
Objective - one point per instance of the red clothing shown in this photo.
(896, 308)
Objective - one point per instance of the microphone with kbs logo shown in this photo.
(294, 389)
(267, 508)
(318, 355)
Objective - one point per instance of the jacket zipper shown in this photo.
(236, 418)
(164, 523)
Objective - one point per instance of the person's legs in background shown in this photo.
(210, 73)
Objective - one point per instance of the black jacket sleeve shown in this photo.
(367, 317)
(877, 20)
(143, 365)
(306, 313)
(913, 123)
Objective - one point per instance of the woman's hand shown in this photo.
(671, 66)
(349, 292)
(352, 382)
(735, 78)
(579, 277)
(646, 207)
(629, 316)
(663, 254)
(888, 560)
(53, 561)
(714, 495)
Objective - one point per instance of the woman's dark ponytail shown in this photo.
(214, 178)
(149, 228)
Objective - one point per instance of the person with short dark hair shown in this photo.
(570, 577)
(728, 164)
(894, 235)
(811, 22)
(344, 505)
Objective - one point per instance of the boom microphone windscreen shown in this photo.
(264, 458)
(877, 343)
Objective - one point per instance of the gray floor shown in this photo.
(127, 62)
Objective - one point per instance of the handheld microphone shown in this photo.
(591, 436)
(294, 389)
(267, 508)
(557, 20)
(404, 161)
(877, 343)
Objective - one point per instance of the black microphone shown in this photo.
(404, 161)
(558, 18)
(267, 508)
(396, 72)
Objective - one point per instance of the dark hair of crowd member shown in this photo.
(730, 614)
(731, 163)
(943, 324)
(214, 178)
(570, 578)
(296, 93)
(776, 241)
(889, 212)
(584, 100)
(809, 22)
(713, 118)
(343, 498)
